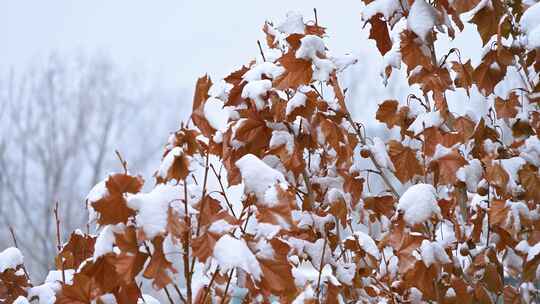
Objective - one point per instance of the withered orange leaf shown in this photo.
(235, 78)
(448, 165)
(386, 113)
(381, 205)
(379, 32)
(112, 208)
(507, 108)
(487, 20)
(530, 180)
(489, 73)
(277, 272)
(413, 52)
(297, 72)
(433, 79)
(497, 176)
(159, 267)
(199, 99)
(464, 75)
(404, 160)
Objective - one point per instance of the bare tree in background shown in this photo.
(58, 123)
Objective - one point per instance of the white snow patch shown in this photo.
(531, 26)
(425, 120)
(230, 252)
(266, 68)
(310, 46)
(293, 24)
(255, 89)
(10, 258)
(257, 175)
(282, 138)
(419, 203)
(422, 18)
(298, 100)
(153, 207)
(433, 252)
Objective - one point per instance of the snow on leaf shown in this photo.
(112, 208)
(422, 18)
(230, 253)
(419, 204)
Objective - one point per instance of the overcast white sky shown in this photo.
(176, 39)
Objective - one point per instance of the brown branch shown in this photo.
(373, 160)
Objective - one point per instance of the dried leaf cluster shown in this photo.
(446, 210)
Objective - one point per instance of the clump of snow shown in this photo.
(441, 151)
(147, 299)
(532, 252)
(55, 276)
(433, 252)
(216, 114)
(426, 120)
(153, 207)
(419, 203)
(257, 175)
(21, 300)
(293, 24)
(220, 227)
(344, 61)
(282, 138)
(306, 296)
(422, 18)
(323, 69)
(255, 89)
(530, 25)
(366, 243)
(385, 7)
(46, 293)
(471, 174)
(310, 46)
(266, 68)
(378, 150)
(230, 253)
(298, 100)
(104, 242)
(530, 151)
(10, 258)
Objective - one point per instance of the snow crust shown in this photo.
(258, 177)
(266, 68)
(255, 89)
(230, 253)
(425, 120)
(310, 45)
(385, 7)
(282, 138)
(153, 207)
(293, 24)
(10, 258)
(531, 26)
(366, 243)
(471, 174)
(422, 18)
(433, 252)
(298, 100)
(419, 203)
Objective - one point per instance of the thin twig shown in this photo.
(321, 267)
(260, 49)
(122, 161)
(12, 232)
(58, 242)
(227, 287)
